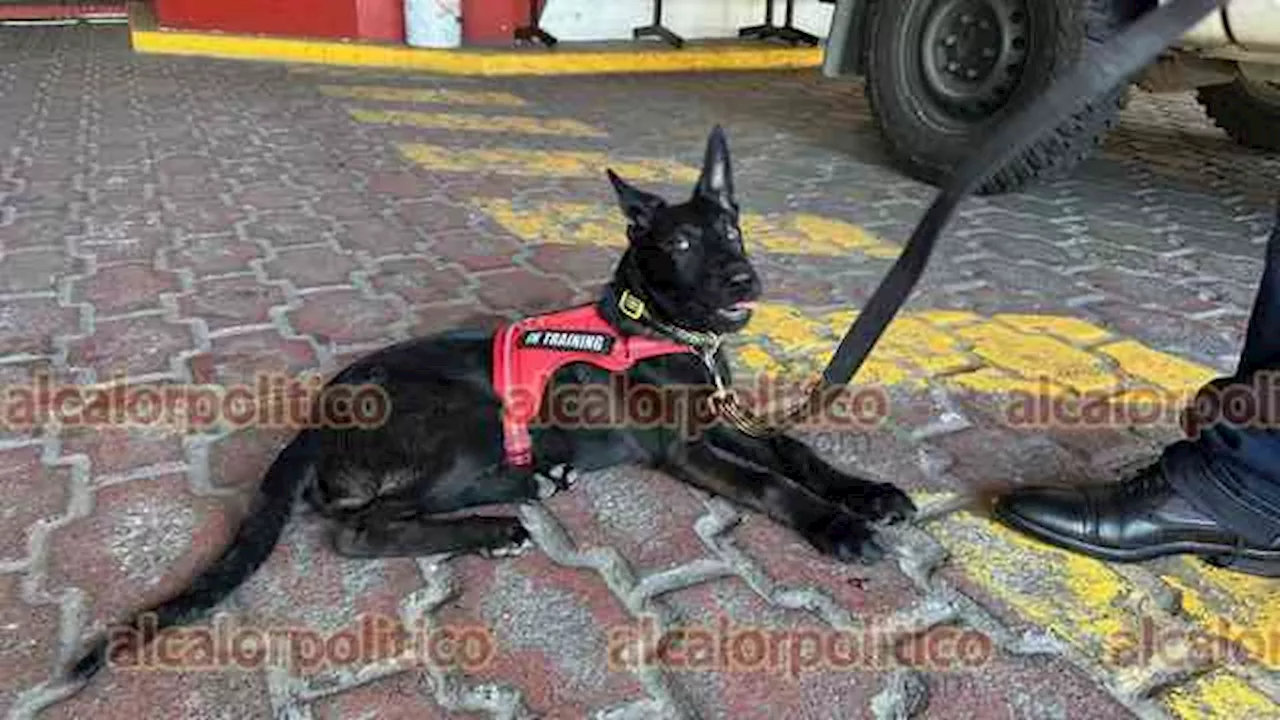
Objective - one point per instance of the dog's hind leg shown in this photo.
(414, 536)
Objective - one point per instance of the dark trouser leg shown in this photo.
(1233, 473)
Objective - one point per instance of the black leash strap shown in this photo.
(1112, 64)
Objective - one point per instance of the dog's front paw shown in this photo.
(891, 505)
(517, 543)
(848, 539)
(880, 503)
(555, 480)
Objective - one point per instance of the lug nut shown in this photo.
(971, 73)
(950, 41)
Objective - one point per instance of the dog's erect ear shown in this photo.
(637, 205)
(716, 182)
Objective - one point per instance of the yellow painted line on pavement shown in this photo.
(477, 123)
(1097, 611)
(564, 60)
(372, 74)
(1157, 368)
(1220, 695)
(1240, 608)
(544, 163)
(443, 96)
(1000, 354)
(602, 225)
(1082, 601)
(1034, 355)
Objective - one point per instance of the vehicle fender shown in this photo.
(1254, 25)
(844, 52)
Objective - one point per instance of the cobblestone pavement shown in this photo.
(186, 220)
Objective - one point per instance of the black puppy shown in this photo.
(684, 279)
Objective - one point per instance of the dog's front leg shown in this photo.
(788, 456)
(875, 501)
(830, 528)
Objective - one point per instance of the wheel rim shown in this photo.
(972, 54)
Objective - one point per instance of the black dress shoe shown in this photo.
(1139, 519)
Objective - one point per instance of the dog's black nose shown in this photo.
(740, 280)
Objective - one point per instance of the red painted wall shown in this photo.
(380, 20)
(493, 22)
(319, 18)
(38, 11)
(484, 22)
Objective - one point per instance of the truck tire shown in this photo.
(1248, 111)
(941, 73)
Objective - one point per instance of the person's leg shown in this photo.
(1215, 494)
(1262, 337)
(1232, 473)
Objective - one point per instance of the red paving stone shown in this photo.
(582, 264)
(646, 516)
(232, 301)
(119, 450)
(240, 458)
(129, 250)
(29, 325)
(248, 358)
(872, 591)
(288, 228)
(406, 696)
(28, 646)
(144, 540)
(214, 255)
(121, 289)
(418, 281)
(432, 319)
(550, 629)
(312, 266)
(35, 493)
(36, 270)
(306, 589)
(520, 290)
(1023, 688)
(736, 679)
(200, 695)
(465, 249)
(377, 237)
(132, 346)
(343, 317)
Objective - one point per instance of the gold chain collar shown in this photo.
(724, 401)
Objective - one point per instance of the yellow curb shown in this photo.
(146, 38)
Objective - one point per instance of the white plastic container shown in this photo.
(433, 23)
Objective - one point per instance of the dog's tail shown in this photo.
(251, 546)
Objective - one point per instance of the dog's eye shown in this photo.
(682, 243)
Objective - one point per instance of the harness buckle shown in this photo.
(630, 305)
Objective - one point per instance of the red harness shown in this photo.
(527, 352)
